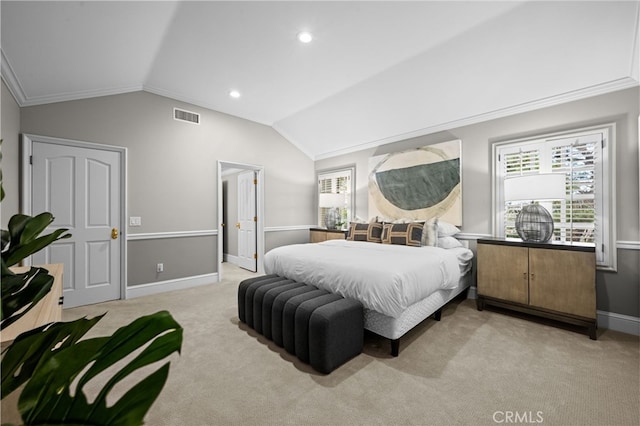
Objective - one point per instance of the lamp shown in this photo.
(534, 222)
(333, 202)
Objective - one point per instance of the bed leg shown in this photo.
(437, 314)
(395, 347)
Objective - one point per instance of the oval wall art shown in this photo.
(417, 184)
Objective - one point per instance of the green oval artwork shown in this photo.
(417, 184)
(420, 186)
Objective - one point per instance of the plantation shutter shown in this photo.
(336, 182)
(579, 218)
(517, 162)
(579, 159)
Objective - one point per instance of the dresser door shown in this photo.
(503, 272)
(563, 281)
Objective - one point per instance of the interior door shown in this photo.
(247, 253)
(81, 188)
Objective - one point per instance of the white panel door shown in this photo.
(80, 187)
(247, 221)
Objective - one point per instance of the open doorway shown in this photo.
(232, 195)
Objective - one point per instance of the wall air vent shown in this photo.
(188, 116)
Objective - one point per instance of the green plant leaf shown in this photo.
(47, 397)
(23, 239)
(35, 226)
(16, 226)
(6, 237)
(21, 292)
(36, 346)
(16, 254)
(136, 402)
(5, 270)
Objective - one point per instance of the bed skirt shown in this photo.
(394, 328)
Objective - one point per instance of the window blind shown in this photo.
(580, 218)
(520, 162)
(335, 182)
(576, 216)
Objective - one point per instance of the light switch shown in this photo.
(135, 221)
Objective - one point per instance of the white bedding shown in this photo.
(384, 277)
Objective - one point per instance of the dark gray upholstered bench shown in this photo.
(322, 329)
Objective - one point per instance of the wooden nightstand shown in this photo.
(318, 235)
(555, 281)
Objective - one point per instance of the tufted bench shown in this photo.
(322, 329)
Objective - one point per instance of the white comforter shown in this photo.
(385, 278)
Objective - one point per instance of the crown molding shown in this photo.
(75, 96)
(11, 80)
(13, 84)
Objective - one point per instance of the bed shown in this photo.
(399, 285)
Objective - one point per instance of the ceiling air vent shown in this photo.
(188, 116)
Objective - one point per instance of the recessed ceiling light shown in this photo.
(305, 37)
(234, 94)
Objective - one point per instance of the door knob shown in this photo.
(238, 225)
(114, 234)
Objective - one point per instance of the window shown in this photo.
(336, 195)
(582, 217)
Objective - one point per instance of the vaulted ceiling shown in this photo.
(375, 72)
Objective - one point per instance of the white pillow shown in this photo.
(448, 242)
(446, 229)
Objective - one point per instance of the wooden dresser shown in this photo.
(49, 309)
(317, 235)
(555, 281)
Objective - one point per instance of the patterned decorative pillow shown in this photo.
(407, 234)
(370, 232)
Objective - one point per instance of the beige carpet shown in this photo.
(471, 368)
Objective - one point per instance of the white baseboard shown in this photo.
(171, 285)
(618, 322)
(230, 258)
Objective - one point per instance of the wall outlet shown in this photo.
(135, 221)
(160, 267)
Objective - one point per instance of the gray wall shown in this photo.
(9, 133)
(616, 292)
(283, 238)
(198, 252)
(172, 170)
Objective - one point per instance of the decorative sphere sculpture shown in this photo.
(332, 218)
(534, 223)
